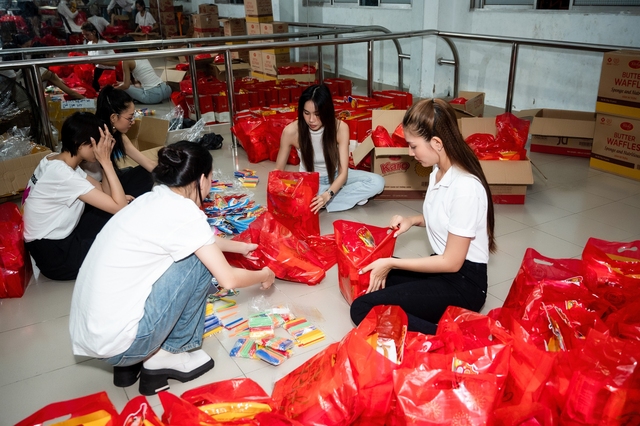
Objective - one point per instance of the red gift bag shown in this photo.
(289, 258)
(251, 133)
(357, 245)
(321, 392)
(617, 267)
(107, 77)
(289, 196)
(15, 263)
(381, 138)
(138, 411)
(91, 409)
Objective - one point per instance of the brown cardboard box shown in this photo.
(616, 146)
(257, 7)
(404, 177)
(15, 173)
(172, 77)
(253, 28)
(207, 22)
(234, 27)
(507, 180)
(208, 8)
(259, 19)
(148, 133)
(239, 71)
(241, 55)
(274, 28)
(474, 104)
(303, 78)
(271, 61)
(561, 132)
(167, 18)
(619, 89)
(255, 61)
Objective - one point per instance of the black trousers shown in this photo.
(97, 72)
(61, 259)
(425, 297)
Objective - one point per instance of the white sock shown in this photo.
(185, 361)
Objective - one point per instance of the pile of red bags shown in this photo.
(15, 263)
(259, 135)
(508, 144)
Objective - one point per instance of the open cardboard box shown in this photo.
(404, 177)
(507, 180)
(16, 172)
(239, 70)
(561, 132)
(474, 104)
(172, 76)
(148, 134)
(616, 145)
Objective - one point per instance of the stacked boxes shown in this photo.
(164, 13)
(236, 27)
(616, 139)
(205, 23)
(259, 17)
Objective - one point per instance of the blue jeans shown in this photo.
(173, 313)
(360, 186)
(155, 95)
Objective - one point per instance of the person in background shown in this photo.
(117, 109)
(98, 21)
(92, 36)
(150, 89)
(144, 18)
(322, 142)
(68, 13)
(459, 220)
(125, 5)
(58, 229)
(139, 300)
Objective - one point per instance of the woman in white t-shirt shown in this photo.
(144, 18)
(58, 231)
(140, 297)
(92, 36)
(150, 89)
(458, 217)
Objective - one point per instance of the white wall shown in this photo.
(549, 78)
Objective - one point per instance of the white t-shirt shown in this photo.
(145, 74)
(457, 205)
(146, 20)
(136, 246)
(67, 15)
(319, 164)
(101, 52)
(52, 208)
(99, 22)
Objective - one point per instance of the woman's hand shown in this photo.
(129, 198)
(248, 249)
(319, 201)
(379, 270)
(102, 149)
(271, 277)
(400, 225)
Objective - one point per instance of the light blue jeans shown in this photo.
(360, 186)
(173, 313)
(155, 95)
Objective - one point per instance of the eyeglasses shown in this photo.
(130, 118)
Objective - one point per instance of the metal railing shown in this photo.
(369, 40)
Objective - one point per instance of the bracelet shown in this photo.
(331, 193)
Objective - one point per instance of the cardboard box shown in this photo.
(239, 71)
(619, 89)
(616, 146)
(207, 22)
(234, 27)
(259, 19)
(208, 8)
(172, 77)
(255, 61)
(561, 132)
(474, 104)
(148, 133)
(274, 28)
(507, 180)
(271, 61)
(167, 18)
(404, 177)
(258, 7)
(301, 78)
(253, 28)
(241, 55)
(15, 173)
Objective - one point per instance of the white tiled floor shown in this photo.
(560, 213)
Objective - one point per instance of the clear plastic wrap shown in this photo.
(15, 143)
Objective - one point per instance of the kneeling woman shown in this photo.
(140, 297)
(322, 142)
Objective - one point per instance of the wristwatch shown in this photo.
(331, 193)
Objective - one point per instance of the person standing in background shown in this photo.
(68, 13)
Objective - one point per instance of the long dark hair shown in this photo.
(436, 118)
(182, 164)
(113, 101)
(88, 26)
(320, 95)
(78, 129)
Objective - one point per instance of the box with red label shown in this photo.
(205, 22)
(167, 18)
(255, 61)
(619, 89)
(401, 100)
(253, 28)
(404, 177)
(271, 61)
(507, 180)
(616, 146)
(258, 7)
(344, 86)
(301, 72)
(473, 103)
(208, 8)
(164, 5)
(234, 26)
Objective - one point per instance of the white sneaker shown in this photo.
(363, 202)
(165, 365)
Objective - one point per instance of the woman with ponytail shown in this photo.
(117, 109)
(140, 297)
(322, 142)
(458, 217)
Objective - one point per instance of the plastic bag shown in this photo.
(175, 117)
(290, 258)
(138, 411)
(357, 245)
(15, 263)
(289, 196)
(398, 137)
(381, 138)
(251, 130)
(91, 409)
(15, 143)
